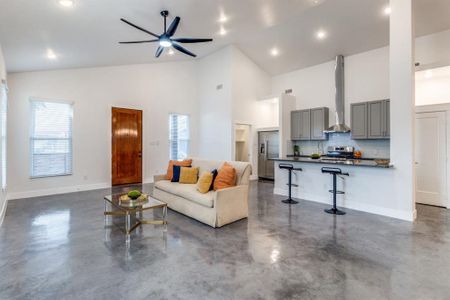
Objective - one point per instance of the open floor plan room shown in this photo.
(233, 149)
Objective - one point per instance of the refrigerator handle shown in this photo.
(266, 155)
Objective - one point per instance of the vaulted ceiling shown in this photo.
(88, 33)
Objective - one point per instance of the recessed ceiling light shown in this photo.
(171, 52)
(223, 18)
(428, 74)
(51, 55)
(66, 3)
(321, 34)
(222, 31)
(274, 52)
(387, 11)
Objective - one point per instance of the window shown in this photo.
(51, 139)
(3, 109)
(179, 136)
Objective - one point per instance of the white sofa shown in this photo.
(215, 208)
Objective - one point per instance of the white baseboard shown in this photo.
(387, 212)
(3, 211)
(56, 191)
(148, 180)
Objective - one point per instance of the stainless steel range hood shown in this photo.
(339, 126)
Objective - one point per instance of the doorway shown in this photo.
(431, 158)
(242, 142)
(126, 146)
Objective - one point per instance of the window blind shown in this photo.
(51, 139)
(178, 136)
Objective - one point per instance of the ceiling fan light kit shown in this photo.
(166, 39)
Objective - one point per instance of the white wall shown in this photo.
(2, 192)
(432, 50)
(249, 85)
(157, 89)
(433, 86)
(215, 105)
(366, 78)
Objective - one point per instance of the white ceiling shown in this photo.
(88, 34)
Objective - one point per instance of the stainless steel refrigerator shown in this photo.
(268, 147)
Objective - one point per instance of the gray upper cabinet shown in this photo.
(370, 120)
(319, 123)
(375, 119)
(309, 124)
(387, 121)
(295, 125)
(301, 125)
(358, 121)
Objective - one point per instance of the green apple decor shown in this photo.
(134, 194)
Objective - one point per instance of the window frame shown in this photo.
(31, 131)
(188, 140)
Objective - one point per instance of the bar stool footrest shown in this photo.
(292, 184)
(337, 192)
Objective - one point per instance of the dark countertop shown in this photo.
(349, 162)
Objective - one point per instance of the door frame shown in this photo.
(446, 109)
(141, 138)
(250, 140)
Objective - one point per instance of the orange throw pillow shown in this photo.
(183, 163)
(225, 178)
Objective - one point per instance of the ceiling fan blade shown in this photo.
(139, 42)
(140, 28)
(159, 51)
(181, 49)
(173, 27)
(190, 40)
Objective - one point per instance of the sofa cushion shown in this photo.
(243, 169)
(187, 191)
(183, 163)
(188, 175)
(226, 177)
(204, 182)
(176, 173)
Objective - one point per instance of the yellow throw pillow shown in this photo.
(188, 175)
(204, 182)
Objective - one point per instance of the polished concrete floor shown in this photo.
(57, 247)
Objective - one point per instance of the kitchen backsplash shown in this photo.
(369, 148)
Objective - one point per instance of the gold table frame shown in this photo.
(127, 210)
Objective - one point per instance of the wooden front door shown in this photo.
(126, 146)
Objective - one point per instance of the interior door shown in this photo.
(431, 158)
(126, 146)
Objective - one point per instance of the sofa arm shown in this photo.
(159, 177)
(231, 204)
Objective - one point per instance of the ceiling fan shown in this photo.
(165, 40)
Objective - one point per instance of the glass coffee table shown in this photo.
(129, 209)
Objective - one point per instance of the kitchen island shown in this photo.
(363, 162)
(367, 188)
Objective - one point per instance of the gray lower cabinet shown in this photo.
(319, 123)
(301, 125)
(370, 120)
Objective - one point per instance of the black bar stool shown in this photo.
(290, 169)
(335, 172)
